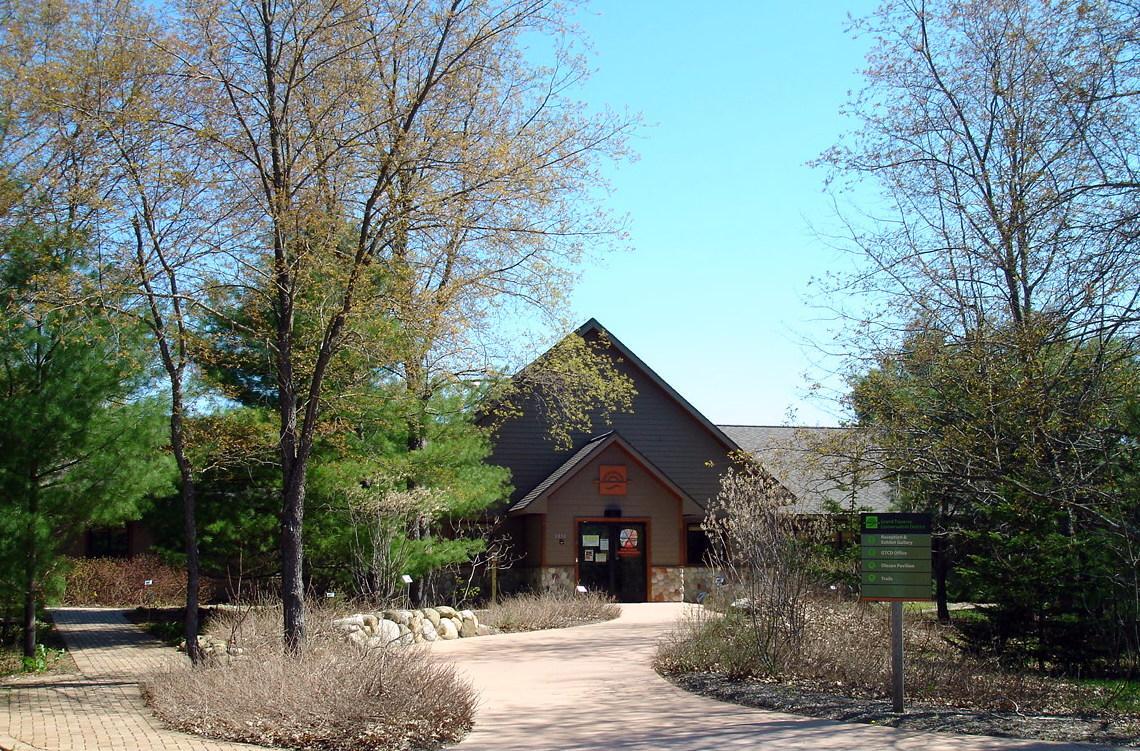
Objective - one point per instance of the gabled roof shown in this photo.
(582, 457)
(593, 325)
(816, 465)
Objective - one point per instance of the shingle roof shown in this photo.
(578, 457)
(816, 465)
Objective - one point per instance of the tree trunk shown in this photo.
(188, 496)
(31, 563)
(292, 559)
(941, 570)
(30, 610)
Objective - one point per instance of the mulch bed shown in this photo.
(810, 701)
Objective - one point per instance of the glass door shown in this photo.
(611, 559)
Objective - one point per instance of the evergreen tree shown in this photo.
(79, 443)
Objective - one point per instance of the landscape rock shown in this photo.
(428, 632)
(432, 615)
(447, 629)
(446, 612)
(350, 621)
(388, 631)
(469, 627)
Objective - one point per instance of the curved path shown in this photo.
(590, 687)
(593, 687)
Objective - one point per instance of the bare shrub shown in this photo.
(753, 544)
(536, 611)
(121, 582)
(844, 649)
(334, 695)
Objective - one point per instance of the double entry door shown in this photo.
(612, 558)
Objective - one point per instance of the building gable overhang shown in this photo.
(535, 500)
(593, 326)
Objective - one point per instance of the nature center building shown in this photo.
(620, 511)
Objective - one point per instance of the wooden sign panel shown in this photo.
(612, 479)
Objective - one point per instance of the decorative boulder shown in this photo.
(482, 630)
(406, 639)
(388, 631)
(446, 612)
(370, 619)
(447, 629)
(351, 623)
(402, 617)
(427, 631)
(432, 615)
(469, 626)
(358, 637)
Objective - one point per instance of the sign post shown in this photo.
(895, 568)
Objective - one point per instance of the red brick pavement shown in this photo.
(101, 708)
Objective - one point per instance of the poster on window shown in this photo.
(627, 542)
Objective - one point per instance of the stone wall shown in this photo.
(667, 583)
(556, 578)
(698, 579)
(406, 627)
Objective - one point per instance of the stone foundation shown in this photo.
(698, 579)
(667, 583)
(556, 578)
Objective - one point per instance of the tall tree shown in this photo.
(326, 110)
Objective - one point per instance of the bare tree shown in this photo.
(1000, 263)
(387, 148)
(753, 542)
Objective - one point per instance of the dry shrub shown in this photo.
(121, 583)
(844, 648)
(536, 611)
(334, 696)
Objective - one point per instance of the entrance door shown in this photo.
(611, 559)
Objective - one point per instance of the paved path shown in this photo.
(101, 708)
(593, 687)
(585, 688)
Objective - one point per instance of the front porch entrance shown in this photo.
(612, 558)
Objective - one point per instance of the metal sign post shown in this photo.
(895, 558)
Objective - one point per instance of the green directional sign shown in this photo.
(895, 557)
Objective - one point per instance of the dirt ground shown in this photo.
(813, 702)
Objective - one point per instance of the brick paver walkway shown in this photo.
(101, 708)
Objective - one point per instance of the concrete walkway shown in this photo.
(593, 687)
(101, 708)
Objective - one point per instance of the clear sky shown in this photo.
(736, 98)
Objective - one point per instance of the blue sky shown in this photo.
(736, 97)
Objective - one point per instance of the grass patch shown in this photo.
(334, 696)
(1121, 696)
(51, 653)
(543, 610)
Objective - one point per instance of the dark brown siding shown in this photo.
(686, 451)
(646, 498)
